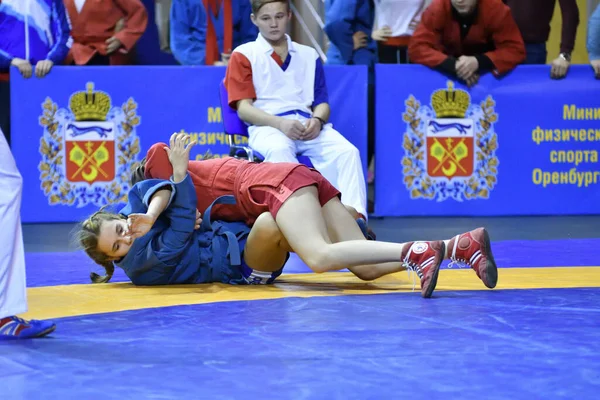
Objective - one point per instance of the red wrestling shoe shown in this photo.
(18, 328)
(474, 249)
(424, 258)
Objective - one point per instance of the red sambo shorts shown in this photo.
(269, 198)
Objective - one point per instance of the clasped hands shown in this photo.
(466, 70)
(296, 130)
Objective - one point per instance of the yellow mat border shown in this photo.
(76, 300)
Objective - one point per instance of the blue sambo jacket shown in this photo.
(173, 252)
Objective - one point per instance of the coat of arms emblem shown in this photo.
(450, 147)
(88, 149)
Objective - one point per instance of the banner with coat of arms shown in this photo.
(520, 145)
(450, 146)
(88, 149)
(77, 133)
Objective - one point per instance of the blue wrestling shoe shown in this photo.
(369, 234)
(18, 328)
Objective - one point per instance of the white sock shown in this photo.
(447, 243)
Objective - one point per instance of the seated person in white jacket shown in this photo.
(278, 87)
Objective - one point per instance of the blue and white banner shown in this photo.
(521, 145)
(77, 132)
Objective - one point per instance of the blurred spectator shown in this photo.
(348, 26)
(278, 87)
(533, 18)
(33, 47)
(162, 19)
(153, 47)
(395, 22)
(204, 32)
(466, 38)
(105, 32)
(593, 41)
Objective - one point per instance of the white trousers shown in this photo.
(13, 294)
(163, 20)
(331, 154)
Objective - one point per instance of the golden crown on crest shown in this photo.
(91, 105)
(450, 103)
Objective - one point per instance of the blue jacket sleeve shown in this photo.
(247, 30)
(61, 31)
(140, 194)
(188, 32)
(593, 39)
(181, 214)
(339, 17)
(320, 91)
(5, 59)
